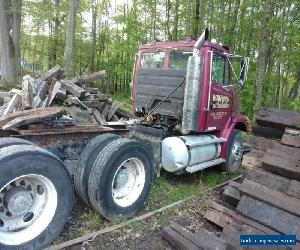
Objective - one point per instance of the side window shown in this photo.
(179, 59)
(220, 70)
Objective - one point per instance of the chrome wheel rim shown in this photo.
(128, 182)
(27, 206)
(237, 153)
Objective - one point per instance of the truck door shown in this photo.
(220, 93)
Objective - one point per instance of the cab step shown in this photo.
(201, 166)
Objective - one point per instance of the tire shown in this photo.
(46, 201)
(9, 141)
(108, 170)
(234, 152)
(86, 161)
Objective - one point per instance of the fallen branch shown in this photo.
(126, 223)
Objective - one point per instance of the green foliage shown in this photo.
(121, 26)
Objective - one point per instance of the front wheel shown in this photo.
(234, 152)
(120, 179)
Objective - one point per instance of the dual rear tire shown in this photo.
(118, 181)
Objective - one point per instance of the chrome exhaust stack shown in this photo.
(201, 40)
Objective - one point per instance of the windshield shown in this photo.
(153, 60)
(179, 59)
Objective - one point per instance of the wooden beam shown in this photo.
(260, 143)
(276, 118)
(221, 215)
(291, 140)
(113, 109)
(272, 181)
(35, 117)
(42, 89)
(281, 166)
(55, 72)
(270, 216)
(74, 89)
(98, 116)
(289, 153)
(269, 196)
(14, 105)
(294, 189)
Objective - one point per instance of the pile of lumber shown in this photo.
(82, 103)
(271, 123)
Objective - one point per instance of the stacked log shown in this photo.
(82, 103)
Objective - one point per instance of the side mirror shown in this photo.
(243, 72)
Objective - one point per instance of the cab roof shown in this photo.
(177, 44)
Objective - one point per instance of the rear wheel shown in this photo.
(9, 141)
(121, 178)
(36, 197)
(234, 153)
(86, 161)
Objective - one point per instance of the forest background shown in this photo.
(89, 35)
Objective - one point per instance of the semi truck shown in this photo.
(186, 119)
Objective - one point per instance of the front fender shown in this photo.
(239, 122)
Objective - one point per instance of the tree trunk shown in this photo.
(94, 37)
(188, 18)
(70, 39)
(262, 55)
(168, 7)
(294, 93)
(175, 30)
(8, 63)
(54, 40)
(16, 27)
(197, 24)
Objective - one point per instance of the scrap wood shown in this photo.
(14, 105)
(27, 94)
(270, 216)
(271, 197)
(291, 138)
(277, 118)
(37, 116)
(74, 89)
(56, 71)
(93, 235)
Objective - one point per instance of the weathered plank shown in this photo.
(37, 116)
(177, 240)
(73, 88)
(73, 100)
(294, 189)
(94, 76)
(42, 89)
(1, 101)
(112, 111)
(27, 94)
(16, 91)
(105, 111)
(278, 118)
(92, 104)
(123, 113)
(289, 151)
(294, 156)
(55, 72)
(252, 158)
(291, 140)
(61, 94)
(54, 87)
(258, 142)
(221, 215)
(281, 166)
(268, 179)
(230, 194)
(99, 118)
(14, 105)
(267, 132)
(269, 196)
(270, 216)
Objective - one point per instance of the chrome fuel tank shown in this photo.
(183, 151)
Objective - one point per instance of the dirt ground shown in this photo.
(147, 234)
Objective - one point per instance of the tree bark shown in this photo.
(70, 39)
(8, 62)
(175, 30)
(188, 18)
(262, 55)
(16, 28)
(94, 37)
